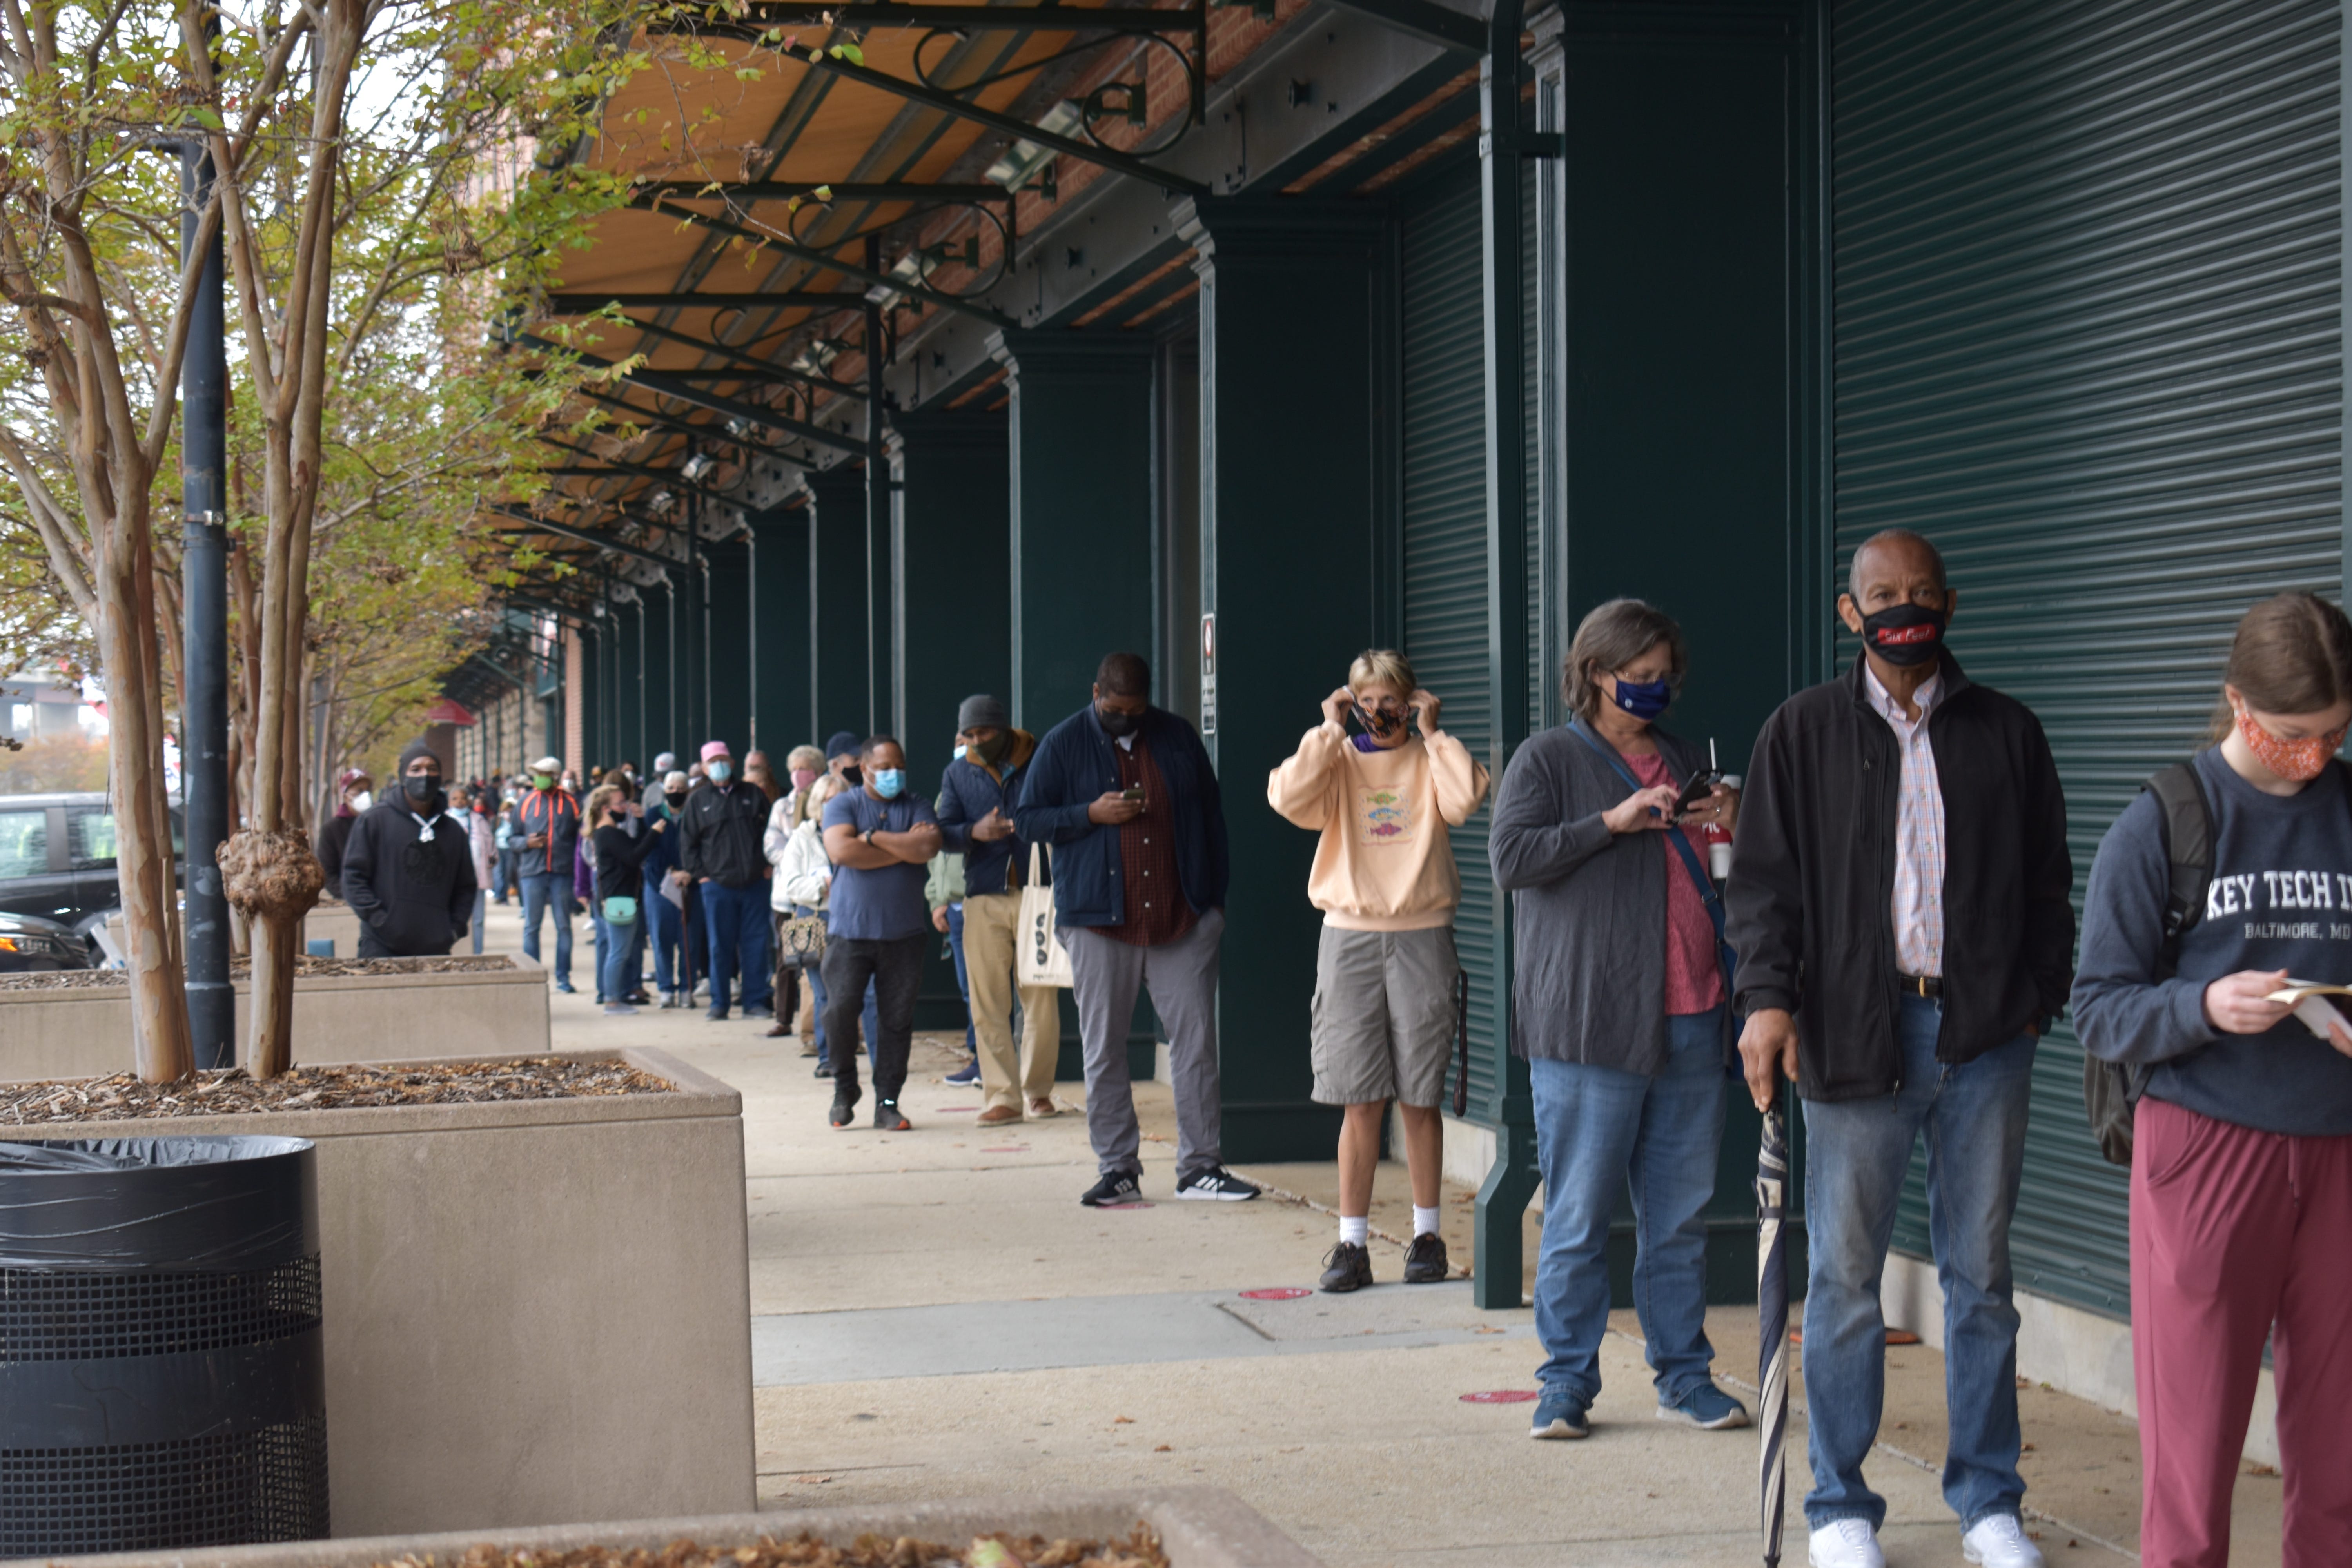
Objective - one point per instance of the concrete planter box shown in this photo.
(85, 1031)
(330, 921)
(536, 1312)
(1200, 1527)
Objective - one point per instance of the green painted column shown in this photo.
(730, 645)
(953, 565)
(780, 567)
(1080, 484)
(839, 694)
(1081, 497)
(1291, 456)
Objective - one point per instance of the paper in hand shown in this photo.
(2317, 1005)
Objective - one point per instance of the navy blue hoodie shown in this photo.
(2281, 899)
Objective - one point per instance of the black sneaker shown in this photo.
(1217, 1186)
(1347, 1267)
(1424, 1260)
(1115, 1188)
(889, 1118)
(844, 1110)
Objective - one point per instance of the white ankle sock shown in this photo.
(1355, 1230)
(1425, 1221)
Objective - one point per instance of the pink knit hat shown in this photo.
(713, 749)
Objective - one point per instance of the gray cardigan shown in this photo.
(1590, 906)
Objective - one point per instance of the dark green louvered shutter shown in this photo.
(2086, 339)
(1445, 535)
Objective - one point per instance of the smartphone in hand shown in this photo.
(1702, 784)
(1132, 792)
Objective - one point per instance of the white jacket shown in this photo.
(805, 872)
(773, 843)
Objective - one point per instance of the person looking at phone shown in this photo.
(1126, 795)
(2242, 1140)
(1898, 899)
(1619, 1006)
(1384, 1014)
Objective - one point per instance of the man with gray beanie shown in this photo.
(976, 798)
(408, 867)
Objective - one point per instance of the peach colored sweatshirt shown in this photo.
(1385, 862)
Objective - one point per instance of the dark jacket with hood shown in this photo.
(968, 791)
(1811, 898)
(1074, 764)
(413, 893)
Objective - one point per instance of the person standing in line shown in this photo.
(408, 869)
(474, 808)
(803, 764)
(352, 795)
(976, 798)
(657, 785)
(807, 874)
(1383, 1018)
(2241, 1138)
(943, 893)
(1619, 1006)
(1899, 902)
(756, 771)
(721, 848)
(548, 819)
(665, 921)
(879, 838)
(583, 891)
(1126, 795)
(621, 886)
(505, 840)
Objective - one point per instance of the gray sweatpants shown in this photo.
(1182, 979)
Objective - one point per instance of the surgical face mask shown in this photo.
(888, 781)
(719, 772)
(804, 778)
(676, 798)
(362, 801)
(1117, 723)
(1645, 699)
(1904, 635)
(960, 752)
(2299, 761)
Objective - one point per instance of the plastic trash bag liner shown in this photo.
(104, 1204)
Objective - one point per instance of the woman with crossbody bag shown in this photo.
(620, 889)
(1620, 1009)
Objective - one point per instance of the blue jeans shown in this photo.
(1597, 1131)
(738, 922)
(1856, 1155)
(963, 976)
(602, 942)
(545, 892)
(614, 968)
(667, 922)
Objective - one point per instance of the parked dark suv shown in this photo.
(56, 857)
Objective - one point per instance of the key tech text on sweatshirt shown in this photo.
(2281, 898)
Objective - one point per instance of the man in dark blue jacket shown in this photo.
(976, 800)
(1125, 796)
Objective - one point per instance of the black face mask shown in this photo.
(422, 790)
(1116, 723)
(853, 774)
(1905, 635)
(994, 747)
(675, 800)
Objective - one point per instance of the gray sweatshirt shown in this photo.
(2281, 899)
(1589, 906)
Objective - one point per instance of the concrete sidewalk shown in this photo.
(937, 1317)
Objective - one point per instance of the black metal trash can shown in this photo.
(162, 1379)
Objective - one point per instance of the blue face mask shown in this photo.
(888, 781)
(1645, 699)
(959, 751)
(719, 772)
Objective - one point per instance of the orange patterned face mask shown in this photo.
(2297, 761)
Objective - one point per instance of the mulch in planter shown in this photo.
(304, 967)
(1140, 1549)
(230, 1092)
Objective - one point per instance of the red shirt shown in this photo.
(1156, 910)
(1694, 973)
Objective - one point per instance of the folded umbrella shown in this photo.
(1772, 1325)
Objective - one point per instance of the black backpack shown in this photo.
(2111, 1089)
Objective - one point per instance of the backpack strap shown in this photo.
(2186, 826)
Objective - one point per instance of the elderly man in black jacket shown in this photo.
(720, 831)
(408, 869)
(1898, 900)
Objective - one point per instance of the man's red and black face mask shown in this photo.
(1905, 634)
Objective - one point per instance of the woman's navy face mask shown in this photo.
(1645, 699)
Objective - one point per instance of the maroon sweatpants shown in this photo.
(2237, 1236)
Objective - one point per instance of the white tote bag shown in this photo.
(1042, 960)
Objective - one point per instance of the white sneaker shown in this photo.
(1999, 1541)
(1845, 1543)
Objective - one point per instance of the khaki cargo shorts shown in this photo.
(1383, 1016)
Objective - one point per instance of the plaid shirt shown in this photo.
(1918, 906)
(1156, 910)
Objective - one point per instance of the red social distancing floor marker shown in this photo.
(1278, 1293)
(950, 1109)
(1500, 1396)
